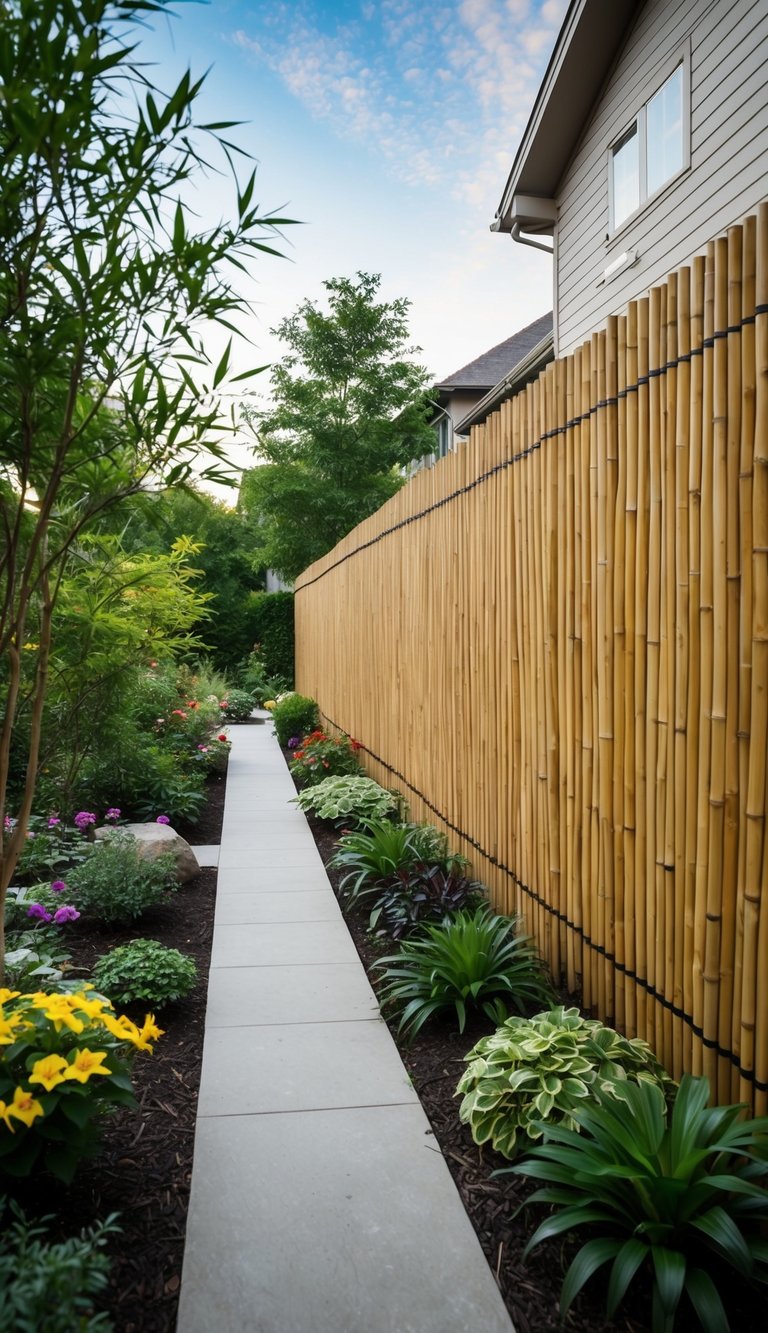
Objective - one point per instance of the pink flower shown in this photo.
(162, 819)
(84, 818)
(65, 914)
(58, 886)
(38, 912)
(53, 821)
(112, 813)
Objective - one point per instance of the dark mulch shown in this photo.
(145, 1168)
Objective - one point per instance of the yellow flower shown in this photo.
(85, 1063)
(92, 1008)
(121, 1027)
(270, 704)
(150, 1031)
(23, 1107)
(6, 995)
(5, 1112)
(10, 1028)
(58, 1009)
(48, 1071)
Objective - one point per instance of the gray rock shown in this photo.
(156, 840)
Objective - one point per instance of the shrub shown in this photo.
(115, 885)
(671, 1196)
(48, 1287)
(352, 799)
(322, 756)
(536, 1072)
(255, 679)
(145, 970)
(294, 715)
(65, 1060)
(476, 961)
(238, 705)
(426, 893)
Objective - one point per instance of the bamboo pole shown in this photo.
(643, 900)
(682, 658)
(630, 615)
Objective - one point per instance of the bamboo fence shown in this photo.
(555, 644)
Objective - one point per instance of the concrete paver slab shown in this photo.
(269, 879)
(319, 993)
(250, 908)
(302, 1067)
(237, 858)
(330, 1222)
(276, 944)
(207, 855)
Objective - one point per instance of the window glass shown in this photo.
(664, 132)
(625, 162)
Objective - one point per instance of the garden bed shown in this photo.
(145, 1169)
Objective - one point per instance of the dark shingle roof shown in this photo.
(487, 370)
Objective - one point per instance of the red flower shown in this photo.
(222, 737)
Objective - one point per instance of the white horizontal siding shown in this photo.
(727, 175)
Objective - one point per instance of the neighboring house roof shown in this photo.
(486, 370)
(527, 369)
(589, 39)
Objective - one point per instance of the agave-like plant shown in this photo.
(658, 1193)
(475, 961)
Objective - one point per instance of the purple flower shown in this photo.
(162, 819)
(84, 818)
(58, 886)
(112, 813)
(65, 914)
(38, 912)
(7, 823)
(294, 742)
(53, 821)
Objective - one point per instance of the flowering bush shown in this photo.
(294, 715)
(65, 1061)
(238, 705)
(322, 756)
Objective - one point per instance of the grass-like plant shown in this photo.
(673, 1196)
(145, 970)
(383, 849)
(115, 885)
(352, 799)
(476, 961)
(535, 1072)
(50, 1286)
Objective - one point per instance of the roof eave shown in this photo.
(521, 374)
(586, 48)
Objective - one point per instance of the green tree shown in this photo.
(108, 286)
(348, 414)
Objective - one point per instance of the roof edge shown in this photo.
(521, 374)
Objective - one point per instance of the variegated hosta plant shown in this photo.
(536, 1071)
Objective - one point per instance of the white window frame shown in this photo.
(680, 59)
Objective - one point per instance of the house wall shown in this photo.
(728, 44)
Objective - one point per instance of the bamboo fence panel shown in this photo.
(554, 643)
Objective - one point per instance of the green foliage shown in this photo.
(238, 705)
(34, 957)
(383, 849)
(115, 885)
(674, 1197)
(253, 677)
(108, 290)
(427, 893)
(536, 1072)
(349, 412)
(351, 799)
(50, 1286)
(65, 1061)
(49, 849)
(145, 970)
(475, 961)
(270, 619)
(294, 715)
(321, 756)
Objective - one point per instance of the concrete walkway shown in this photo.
(320, 1200)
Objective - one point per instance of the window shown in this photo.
(652, 151)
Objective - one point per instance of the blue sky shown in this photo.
(388, 129)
